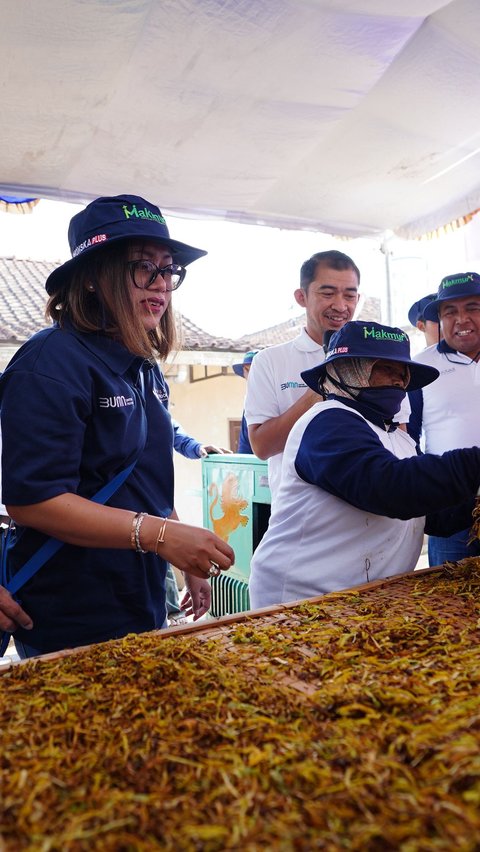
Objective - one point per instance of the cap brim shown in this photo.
(182, 254)
(413, 315)
(238, 369)
(417, 310)
(431, 311)
(420, 374)
(313, 376)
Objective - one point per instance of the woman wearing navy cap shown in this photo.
(355, 500)
(82, 401)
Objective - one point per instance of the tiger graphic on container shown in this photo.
(231, 504)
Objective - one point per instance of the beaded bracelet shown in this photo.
(161, 535)
(132, 533)
(135, 534)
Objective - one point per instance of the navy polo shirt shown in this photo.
(244, 445)
(77, 409)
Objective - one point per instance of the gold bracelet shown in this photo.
(135, 536)
(161, 535)
(132, 532)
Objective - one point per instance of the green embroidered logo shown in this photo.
(452, 282)
(142, 214)
(397, 337)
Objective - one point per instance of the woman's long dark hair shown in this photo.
(109, 308)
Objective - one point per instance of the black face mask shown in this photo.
(384, 401)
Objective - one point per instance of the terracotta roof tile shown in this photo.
(370, 310)
(194, 338)
(23, 299)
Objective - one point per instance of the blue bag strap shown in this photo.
(50, 547)
(4, 642)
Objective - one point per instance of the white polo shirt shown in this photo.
(274, 385)
(451, 404)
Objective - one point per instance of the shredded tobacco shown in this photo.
(349, 724)
(475, 530)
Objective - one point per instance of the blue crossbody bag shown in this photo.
(46, 551)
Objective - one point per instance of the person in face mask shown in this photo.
(355, 499)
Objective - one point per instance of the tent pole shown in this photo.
(388, 279)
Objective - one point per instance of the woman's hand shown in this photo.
(191, 549)
(82, 522)
(11, 613)
(197, 597)
(211, 449)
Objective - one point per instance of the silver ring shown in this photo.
(214, 570)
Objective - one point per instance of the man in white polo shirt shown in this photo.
(276, 394)
(448, 411)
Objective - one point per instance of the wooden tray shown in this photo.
(349, 721)
(216, 626)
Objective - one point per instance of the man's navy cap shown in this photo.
(247, 359)
(110, 219)
(359, 339)
(453, 287)
(417, 311)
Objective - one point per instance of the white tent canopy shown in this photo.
(349, 116)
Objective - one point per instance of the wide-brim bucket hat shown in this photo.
(456, 286)
(417, 311)
(113, 218)
(247, 359)
(359, 339)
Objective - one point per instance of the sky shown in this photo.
(246, 282)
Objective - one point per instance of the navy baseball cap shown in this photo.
(455, 286)
(417, 311)
(110, 219)
(359, 339)
(247, 359)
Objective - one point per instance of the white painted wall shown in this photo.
(204, 409)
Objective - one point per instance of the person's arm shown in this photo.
(450, 521)
(197, 597)
(190, 447)
(76, 520)
(269, 438)
(268, 426)
(244, 445)
(198, 592)
(212, 449)
(81, 522)
(185, 444)
(341, 453)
